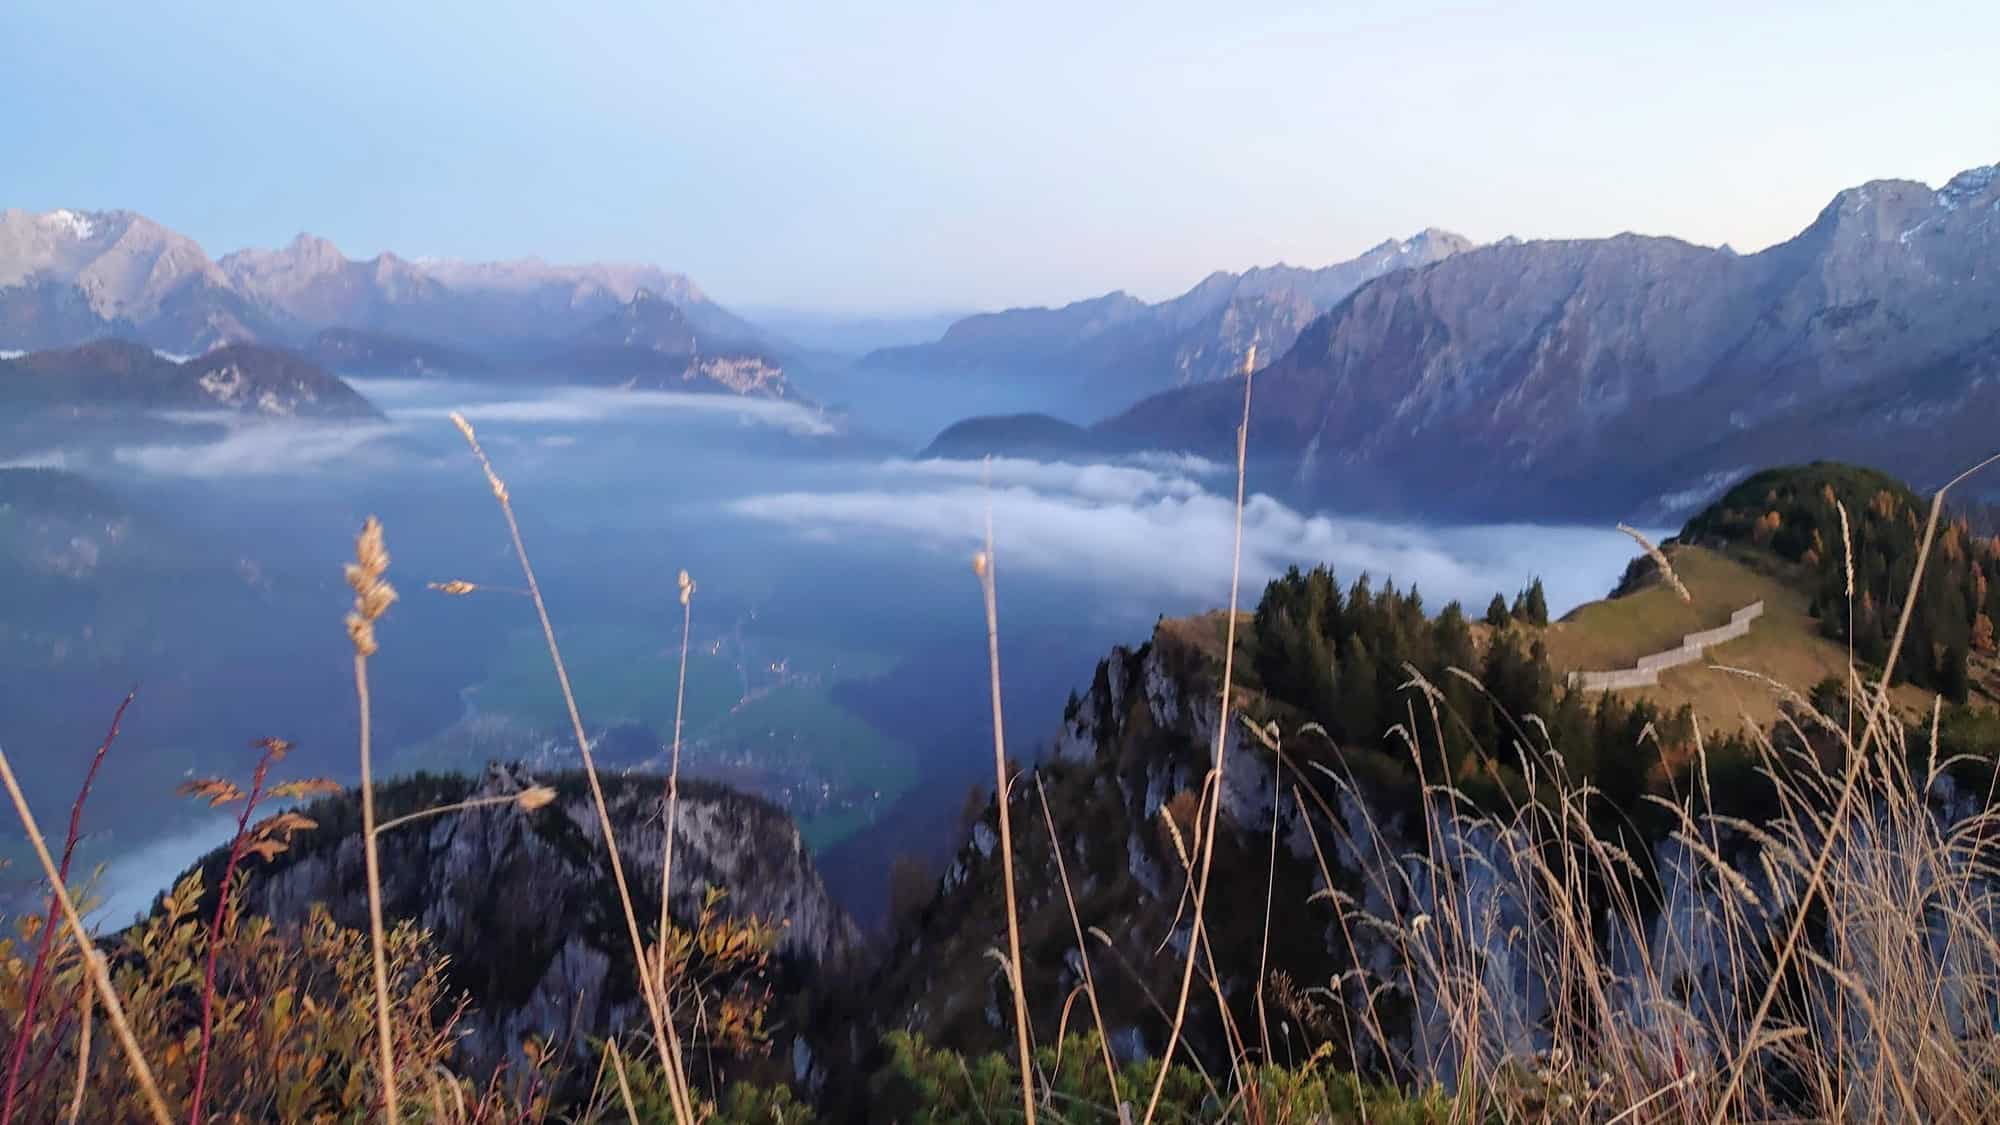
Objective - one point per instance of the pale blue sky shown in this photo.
(927, 154)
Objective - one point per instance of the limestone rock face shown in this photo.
(524, 903)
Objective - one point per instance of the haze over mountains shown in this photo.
(1565, 377)
(68, 277)
(65, 272)
(1114, 348)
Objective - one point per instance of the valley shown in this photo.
(1376, 801)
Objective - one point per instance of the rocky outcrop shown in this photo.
(1131, 753)
(524, 905)
(651, 343)
(110, 375)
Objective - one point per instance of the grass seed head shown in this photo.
(372, 595)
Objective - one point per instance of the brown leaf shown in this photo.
(307, 787)
(283, 825)
(267, 849)
(215, 790)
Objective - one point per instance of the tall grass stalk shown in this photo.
(94, 965)
(1206, 845)
(624, 1085)
(674, 770)
(526, 800)
(372, 597)
(666, 1040)
(983, 566)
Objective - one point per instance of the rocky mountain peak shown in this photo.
(124, 264)
(1972, 186)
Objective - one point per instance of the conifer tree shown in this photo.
(1538, 605)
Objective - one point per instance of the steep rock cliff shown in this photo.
(524, 905)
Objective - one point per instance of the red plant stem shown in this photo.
(32, 1088)
(38, 978)
(215, 936)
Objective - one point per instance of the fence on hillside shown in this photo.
(1647, 672)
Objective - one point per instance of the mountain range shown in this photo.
(71, 278)
(1631, 375)
(1625, 375)
(1107, 351)
(67, 276)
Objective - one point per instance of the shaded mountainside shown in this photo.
(651, 343)
(358, 351)
(524, 905)
(56, 524)
(1109, 350)
(1593, 376)
(1019, 435)
(117, 374)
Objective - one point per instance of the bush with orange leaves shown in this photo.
(290, 1042)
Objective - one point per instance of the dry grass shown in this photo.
(983, 566)
(1651, 1031)
(372, 597)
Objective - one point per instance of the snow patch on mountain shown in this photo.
(76, 224)
(1965, 185)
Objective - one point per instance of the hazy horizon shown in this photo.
(912, 160)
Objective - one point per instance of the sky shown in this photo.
(924, 155)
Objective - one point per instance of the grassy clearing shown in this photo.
(1616, 632)
(1785, 644)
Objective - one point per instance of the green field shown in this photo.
(786, 738)
(620, 674)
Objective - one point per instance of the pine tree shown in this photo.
(1496, 612)
(1451, 640)
(1360, 713)
(1954, 682)
(1538, 605)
